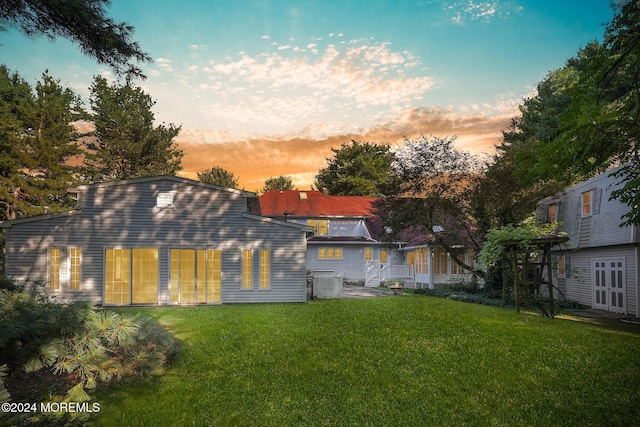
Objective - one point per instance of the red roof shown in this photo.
(315, 204)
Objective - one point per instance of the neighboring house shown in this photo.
(348, 242)
(346, 230)
(161, 240)
(598, 266)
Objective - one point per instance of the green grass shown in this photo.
(410, 360)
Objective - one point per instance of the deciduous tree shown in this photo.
(433, 185)
(278, 183)
(358, 169)
(218, 176)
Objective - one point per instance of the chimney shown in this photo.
(325, 192)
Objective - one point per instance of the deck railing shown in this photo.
(397, 271)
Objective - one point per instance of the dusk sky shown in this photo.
(267, 87)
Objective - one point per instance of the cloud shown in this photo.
(283, 87)
(463, 10)
(255, 159)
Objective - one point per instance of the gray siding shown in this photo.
(597, 236)
(351, 266)
(577, 286)
(124, 215)
(602, 227)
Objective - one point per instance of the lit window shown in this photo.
(368, 254)
(247, 269)
(54, 268)
(383, 257)
(265, 269)
(561, 268)
(439, 261)
(320, 226)
(74, 277)
(586, 203)
(195, 275)
(422, 260)
(329, 253)
(553, 213)
(411, 258)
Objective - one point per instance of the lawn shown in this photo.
(410, 360)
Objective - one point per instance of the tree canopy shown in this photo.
(218, 175)
(357, 169)
(127, 144)
(278, 183)
(432, 187)
(36, 141)
(585, 117)
(84, 22)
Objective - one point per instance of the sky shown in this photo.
(268, 87)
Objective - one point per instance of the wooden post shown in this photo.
(516, 282)
(547, 248)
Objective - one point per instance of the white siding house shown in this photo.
(598, 266)
(161, 240)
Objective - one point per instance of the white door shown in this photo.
(609, 285)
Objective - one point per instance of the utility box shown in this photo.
(327, 287)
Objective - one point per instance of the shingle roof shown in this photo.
(316, 204)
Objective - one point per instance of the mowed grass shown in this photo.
(410, 360)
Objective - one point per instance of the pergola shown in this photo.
(527, 260)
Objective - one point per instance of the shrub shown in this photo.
(86, 344)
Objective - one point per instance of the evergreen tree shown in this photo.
(36, 140)
(127, 144)
(83, 22)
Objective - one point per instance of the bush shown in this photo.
(78, 342)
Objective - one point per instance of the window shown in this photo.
(329, 253)
(586, 204)
(265, 269)
(553, 213)
(561, 267)
(74, 274)
(422, 260)
(455, 267)
(383, 257)
(368, 254)
(144, 274)
(439, 261)
(195, 275)
(411, 258)
(117, 272)
(320, 226)
(247, 269)
(54, 269)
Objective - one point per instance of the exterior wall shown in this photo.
(601, 228)
(126, 216)
(578, 286)
(351, 266)
(595, 236)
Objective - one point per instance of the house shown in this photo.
(161, 240)
(598, 266)
(346, 229)
(348, 240)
